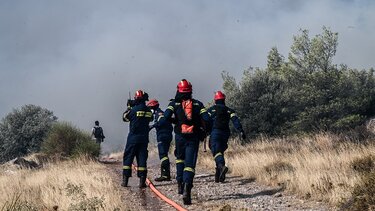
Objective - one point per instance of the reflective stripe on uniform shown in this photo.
(164, 159)
(170, 108)
(148, 114)
(189, 169)
(161, 116)
(141, 169)
(179, 161)
(202, 111)
(218, 154)
(126, 167)
(232, 115)
(140, 113)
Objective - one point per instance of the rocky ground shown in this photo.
(236, 193)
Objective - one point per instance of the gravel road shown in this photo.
(237, 193)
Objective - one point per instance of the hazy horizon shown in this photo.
(80, 59)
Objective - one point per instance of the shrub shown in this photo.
(67, 140)
(22, 131)
(81, 202)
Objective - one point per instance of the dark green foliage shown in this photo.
(22, 131)
(307, 93)
(66, 140)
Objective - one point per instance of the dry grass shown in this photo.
(50, 186)
(318, 167)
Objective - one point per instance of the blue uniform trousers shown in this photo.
(186, 153)
(164, 143)
(140, 152)
(218, 145)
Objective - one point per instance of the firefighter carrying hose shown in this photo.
(164, 137)
(139, 116)
(221, 115)
(190, 117)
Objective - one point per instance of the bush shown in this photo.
(67, 140)
(22, 131)
(81, 202)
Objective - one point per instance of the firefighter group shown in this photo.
(191, 123)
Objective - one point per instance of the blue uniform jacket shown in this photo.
(199, 111)
(232, 115)
(162, 127)
(139, 117)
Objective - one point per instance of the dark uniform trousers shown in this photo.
(164, 143)
(136, 146)
(186, 153)
(218, 145)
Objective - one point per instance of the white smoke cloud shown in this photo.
(81, 58)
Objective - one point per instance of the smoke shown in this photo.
(82, 58)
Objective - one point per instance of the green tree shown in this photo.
(22, 131)
(304, 94)
(275, 60)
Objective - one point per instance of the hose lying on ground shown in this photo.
(160, 195)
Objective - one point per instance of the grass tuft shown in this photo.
(323, 166)
(77, 184)
(363, 164)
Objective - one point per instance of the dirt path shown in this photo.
(236, 193)
(134, 197)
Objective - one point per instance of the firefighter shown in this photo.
(221, 115)
(139, 116)
(190, 117)
(164, 138)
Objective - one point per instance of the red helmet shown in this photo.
(184, 86)
(152, 103)
(139, 94)
(219, 96)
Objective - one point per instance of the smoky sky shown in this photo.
(80, 59)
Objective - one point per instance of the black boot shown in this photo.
(223, 170)
(142, 182)
(187, 194)
(165, 174)
(217, 175)
(125, 181)
(180, 187)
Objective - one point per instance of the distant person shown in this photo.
(164, 138)
(221, 115)
(139, 116)
(97, 133)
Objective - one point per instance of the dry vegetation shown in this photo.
(323, 167)
(80, 184)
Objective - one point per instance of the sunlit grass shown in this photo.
(317, 167)
(47, 187)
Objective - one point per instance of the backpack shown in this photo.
(98, 132)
